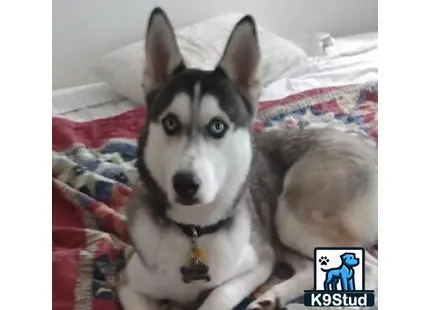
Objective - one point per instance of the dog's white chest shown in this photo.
(166, 251)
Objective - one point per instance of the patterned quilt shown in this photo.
(93, 167)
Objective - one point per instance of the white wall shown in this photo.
(83, 30)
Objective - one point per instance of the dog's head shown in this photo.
(349, 259)
(196, 146)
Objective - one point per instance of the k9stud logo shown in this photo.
(339, 279)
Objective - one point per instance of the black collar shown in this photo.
(204, 230)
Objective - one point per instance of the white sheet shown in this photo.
(353, 61)
(325, 72)
(88, 102)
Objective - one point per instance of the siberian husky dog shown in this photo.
(217, 206)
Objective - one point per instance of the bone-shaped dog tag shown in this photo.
(197, 271)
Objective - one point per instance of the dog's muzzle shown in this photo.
(186, 186)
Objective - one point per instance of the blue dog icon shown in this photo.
(344, 273)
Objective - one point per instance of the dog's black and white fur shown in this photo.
(261, 199)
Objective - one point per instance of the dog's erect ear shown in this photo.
(162, 55)
(241, 58)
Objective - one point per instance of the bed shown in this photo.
(94, 131)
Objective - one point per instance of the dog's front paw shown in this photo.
(169, 306)
(222, 298)
(268, 301)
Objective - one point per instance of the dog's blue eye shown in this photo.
(217, 128)
(171, 124)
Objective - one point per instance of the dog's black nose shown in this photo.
(186, 184)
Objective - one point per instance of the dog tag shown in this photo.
(198, 254)
(198, 270)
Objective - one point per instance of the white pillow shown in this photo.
(201, 45)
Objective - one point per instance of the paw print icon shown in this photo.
(323, 260)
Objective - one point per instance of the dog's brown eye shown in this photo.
(171, 124)
(217, 128)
